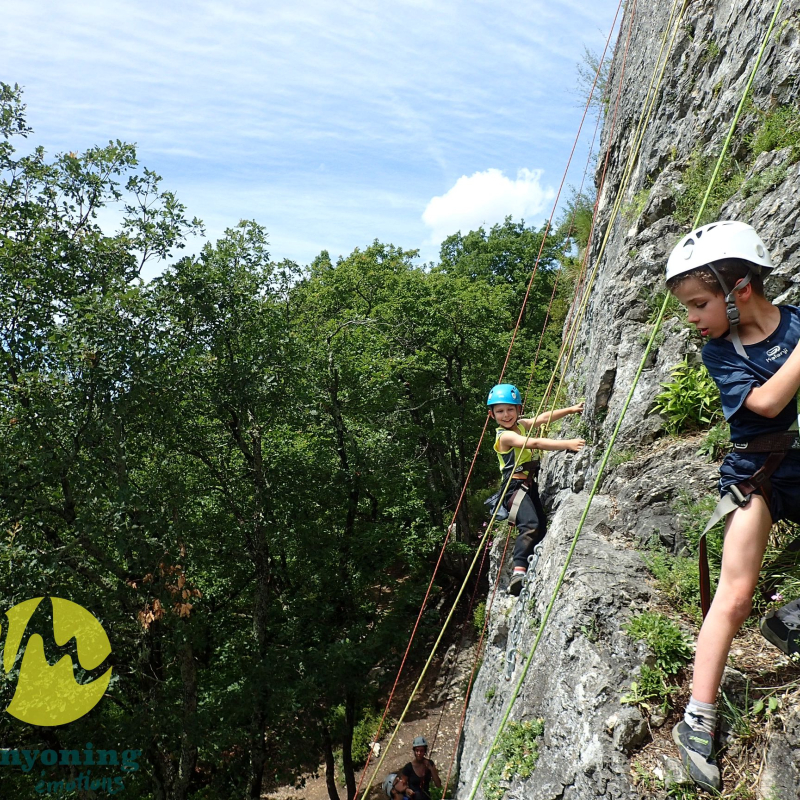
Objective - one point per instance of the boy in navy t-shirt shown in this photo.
(716, 273)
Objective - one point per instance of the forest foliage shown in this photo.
(243, 468)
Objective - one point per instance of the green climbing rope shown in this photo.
(612, 440)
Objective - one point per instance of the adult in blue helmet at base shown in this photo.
(513, 445)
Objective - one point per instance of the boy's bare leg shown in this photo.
(746, 535)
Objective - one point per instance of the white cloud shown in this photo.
(486, 198)
(237, 104)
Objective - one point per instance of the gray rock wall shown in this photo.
(585, 659)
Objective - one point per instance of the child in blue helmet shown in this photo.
(716, 272)
(513, 446)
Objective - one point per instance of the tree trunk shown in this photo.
(258, 720)
(160, 776)
(347, 744)
(188, 757)
(249, 441)
(330, 767)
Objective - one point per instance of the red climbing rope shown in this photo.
(558, 274)
(486, 422)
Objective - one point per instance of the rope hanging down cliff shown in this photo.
(517, 618)
(612, 440)
(474, 459)
(670, 32)
(647, 109)
(643, 120)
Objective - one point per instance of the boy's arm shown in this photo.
(773, 396)
(509, 440)
(552, 416)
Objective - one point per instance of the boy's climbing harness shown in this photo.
(519, 613)
(496, 504)
(738, 495)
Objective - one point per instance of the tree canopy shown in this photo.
(243, 468)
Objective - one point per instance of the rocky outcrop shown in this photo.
(585, 659)
(781, 775)
(574, 679)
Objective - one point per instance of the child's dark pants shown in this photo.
(531, 522)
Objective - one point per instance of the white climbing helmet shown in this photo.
(716, 241)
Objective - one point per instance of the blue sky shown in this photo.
(330, 123)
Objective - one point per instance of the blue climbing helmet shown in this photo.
(504, 393)
(388, 784)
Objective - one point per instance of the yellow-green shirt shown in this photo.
(515, 456)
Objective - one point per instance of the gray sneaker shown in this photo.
(697, 754)
(781, 627)
(515, 584)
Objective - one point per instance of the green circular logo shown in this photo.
(49, 695)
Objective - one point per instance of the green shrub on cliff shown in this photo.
(779, 128)
(690, 401)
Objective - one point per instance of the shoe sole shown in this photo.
(770, 636)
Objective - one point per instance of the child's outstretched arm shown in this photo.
(773, 396)
(511, 439)
(551, 416)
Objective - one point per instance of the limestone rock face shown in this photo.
(575, 677)
(781, 775)
(585, 660)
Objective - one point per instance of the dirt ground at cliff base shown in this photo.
(438, 722)
(742, 759)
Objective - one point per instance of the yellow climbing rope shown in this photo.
(612, 440)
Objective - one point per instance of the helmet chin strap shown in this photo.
(731, 310)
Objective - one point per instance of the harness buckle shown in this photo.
(740, 499)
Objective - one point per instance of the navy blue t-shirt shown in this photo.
(736, 376)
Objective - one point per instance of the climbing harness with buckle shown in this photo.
(518, 615)
(738, 495)
(516, 502)
(511, 512)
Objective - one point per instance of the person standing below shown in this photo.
(421, 771)
(752, 355)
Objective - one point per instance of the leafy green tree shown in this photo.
(373, 520)
(74, 367)
(575, 224)
(244, 468)
(593, 77)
